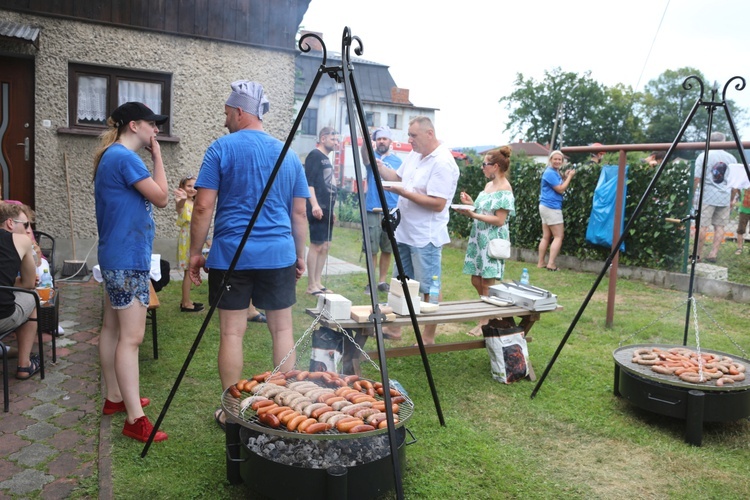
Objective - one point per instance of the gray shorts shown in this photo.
(718, 216)
(550, 216)
(378, 237)
(25, 305)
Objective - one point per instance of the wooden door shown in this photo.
(17, 129)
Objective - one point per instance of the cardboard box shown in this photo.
(336, 306)
(399, 304)
(398, 291)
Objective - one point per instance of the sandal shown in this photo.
(33, 368)
(217, 416)
(738, 251)
(258, 318)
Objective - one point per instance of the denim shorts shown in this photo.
(125, 286)
(420, 264)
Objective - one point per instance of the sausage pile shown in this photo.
(689, 367)
(313, 402)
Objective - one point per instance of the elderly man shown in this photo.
(379, 241)
(233, 175)
(17, 268)
(429, 176)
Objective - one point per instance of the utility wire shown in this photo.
(658, 28)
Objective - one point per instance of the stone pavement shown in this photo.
(50, 438)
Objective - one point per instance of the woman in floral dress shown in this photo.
(491, 210)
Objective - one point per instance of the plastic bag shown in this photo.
(602, 220)
(327, 350)
(509, 354)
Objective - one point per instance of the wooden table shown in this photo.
(449, 312)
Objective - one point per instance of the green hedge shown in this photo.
(652, 242)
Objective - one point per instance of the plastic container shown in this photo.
(525, 276)
(434, 290)
(45, 281)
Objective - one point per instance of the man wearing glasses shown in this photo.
(17, 268)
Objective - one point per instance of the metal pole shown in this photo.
(621, 169)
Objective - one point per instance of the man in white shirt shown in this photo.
(429, 176)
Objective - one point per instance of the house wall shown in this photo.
(201, 73)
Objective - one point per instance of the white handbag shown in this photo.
(499, 249)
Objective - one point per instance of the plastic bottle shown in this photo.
(434, 290)
(525, 276)
(45, 281)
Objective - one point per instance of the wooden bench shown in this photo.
(449, 312)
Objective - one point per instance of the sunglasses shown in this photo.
(486, 164)
(188, 178)
(25, 223)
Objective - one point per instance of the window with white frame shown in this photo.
(95, 91)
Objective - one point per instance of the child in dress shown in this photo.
(184, 197)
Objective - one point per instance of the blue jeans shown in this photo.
(421, 264)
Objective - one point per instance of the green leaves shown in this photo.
(651, 242)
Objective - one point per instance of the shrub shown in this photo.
(652, 242)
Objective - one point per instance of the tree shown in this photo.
(666, 106)
(581, 110)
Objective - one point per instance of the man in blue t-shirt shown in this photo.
(234, 174)
(378, 238)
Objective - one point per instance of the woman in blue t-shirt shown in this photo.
(550, 209)
(124, 193)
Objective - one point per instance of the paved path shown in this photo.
(53, 439)
(49, 440)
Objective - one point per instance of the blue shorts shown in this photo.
(125, 286)
(420, 264)
(269, 289)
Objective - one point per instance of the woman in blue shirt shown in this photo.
(550, 209)
(124, 193)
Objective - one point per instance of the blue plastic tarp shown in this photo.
(602, 220)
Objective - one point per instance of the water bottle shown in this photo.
(45, 281)
(434, 290)
(525, 276)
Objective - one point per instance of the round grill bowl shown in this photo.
(670, 396)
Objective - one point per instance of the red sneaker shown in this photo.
(111, 408)
(141, 430)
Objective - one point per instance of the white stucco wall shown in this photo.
(201, 73)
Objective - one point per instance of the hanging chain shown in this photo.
(307, 335)
(694, 305)
(726, 334)
(623, 341)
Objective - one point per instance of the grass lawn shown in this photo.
(575, 439)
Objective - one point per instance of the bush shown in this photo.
(652, 242)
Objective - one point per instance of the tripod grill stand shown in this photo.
(711, 106)
(345, 74)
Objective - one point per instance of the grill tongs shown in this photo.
(534, 290)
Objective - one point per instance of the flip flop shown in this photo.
(553, 269)
(217, 417)
(316, 292)
(258, 318)
(31, 370)
(325, 290)
(738, 252)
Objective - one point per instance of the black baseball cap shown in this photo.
(134, 111)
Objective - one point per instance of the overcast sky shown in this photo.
(463, 56)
